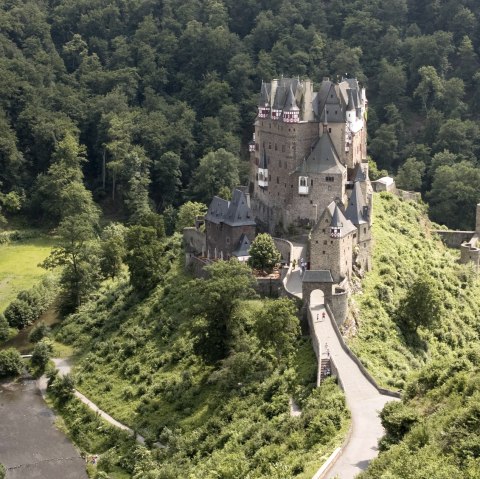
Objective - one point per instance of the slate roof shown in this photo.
(323, 159)
(335, 100)
(338, 220)
(217, 210)
(317, 276)
(233, 213)
(356, 203)
(291, 103)
(285, 94)
(264, 94)
(243, 247)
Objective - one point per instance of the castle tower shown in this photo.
(359, 213)
(291, 120)
(331, 243)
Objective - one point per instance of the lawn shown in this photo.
(19, 266)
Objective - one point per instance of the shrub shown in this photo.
(30, 304)
(2, 471)
(10, 363)
(62, 387)
(39, 331)
(41, 353)
(19, 314)
(3, 328)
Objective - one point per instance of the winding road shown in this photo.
(363, 399)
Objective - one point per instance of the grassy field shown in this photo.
(19, 266)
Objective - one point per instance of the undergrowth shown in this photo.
(229, 419)
(404, 250)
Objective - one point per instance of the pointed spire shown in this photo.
(356, 206)
(291, 103)
(264, 95)
(336, 218)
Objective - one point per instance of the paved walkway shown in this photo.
(363, 400)
(64, 367)
(294, 280)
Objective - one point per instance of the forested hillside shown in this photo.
(147, 92)
(206, 369)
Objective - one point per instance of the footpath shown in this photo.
(364, 400)
(64, 367)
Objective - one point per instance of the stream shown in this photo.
(31, 447)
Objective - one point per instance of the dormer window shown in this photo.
(334, 232)
(263, 112)
(303, 185)
(291, 116)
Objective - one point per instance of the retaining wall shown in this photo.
(454, 239)
(387, 392)
(285, 248)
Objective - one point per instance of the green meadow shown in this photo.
(19, 266)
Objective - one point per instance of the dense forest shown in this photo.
(120, 119)
(143, 94)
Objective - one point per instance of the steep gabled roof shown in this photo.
(291, 104)
(234, 213)
(356, 206)
(323, 159)
(217, 210)
(239, 213)
(243, 246)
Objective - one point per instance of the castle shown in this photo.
(309, 173)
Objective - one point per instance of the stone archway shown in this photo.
(317, 280)
(317, 297)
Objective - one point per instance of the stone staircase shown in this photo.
(325, 368)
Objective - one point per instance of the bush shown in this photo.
(41, 353)
(3, 328)
(30, 304)
(10, 363)
(2, 471)
(19, 314)
(62, 387)
(39, 331)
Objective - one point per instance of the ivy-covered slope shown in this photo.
(406, 252)
(141, 360)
